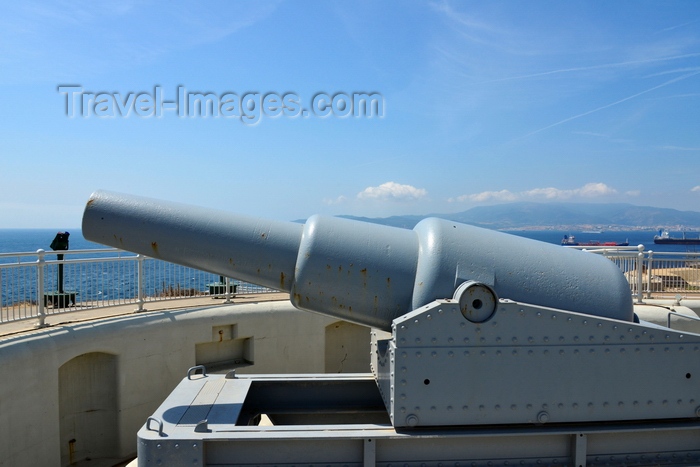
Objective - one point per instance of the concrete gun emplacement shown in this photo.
(487, 329)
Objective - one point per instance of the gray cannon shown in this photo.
(522, 353)
(361, 272)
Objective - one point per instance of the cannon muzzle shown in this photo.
(365, 273)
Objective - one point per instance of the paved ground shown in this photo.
(14, 327)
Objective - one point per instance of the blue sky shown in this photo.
(481, 103)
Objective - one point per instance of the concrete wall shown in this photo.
(57, 391)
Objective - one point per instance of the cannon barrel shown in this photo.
(361, 272)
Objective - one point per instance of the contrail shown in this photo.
(680, 78)
(595, 67)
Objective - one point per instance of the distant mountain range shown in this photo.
(564, 216)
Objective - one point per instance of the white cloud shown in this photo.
(633, 193)
(485, 196)
(589, 190)
(339, 200)
(695, 188)
(592, 190)
(392, 191)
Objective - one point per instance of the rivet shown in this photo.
(412, 420)
(417, 340)
(466, 353)
(465, 407)
(418, 354)
(543, 417)
(513, 407)
(539, 314)
(554, 316)
(450, 354)
(433, 340)
(428, 316)
(433, 354)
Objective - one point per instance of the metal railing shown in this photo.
(30, 288)
(31, 285)
(655, 274)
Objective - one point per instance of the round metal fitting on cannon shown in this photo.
(412, 420)
(477, 301)
(543, 417)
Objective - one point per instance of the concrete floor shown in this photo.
(28, 325)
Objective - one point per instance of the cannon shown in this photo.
(487, 348)
(364, 273)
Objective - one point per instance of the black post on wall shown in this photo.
(60, 243)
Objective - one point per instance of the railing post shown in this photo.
(139, 283)
(227, 291)
(640, 273)
(650, 258)
(40, 264)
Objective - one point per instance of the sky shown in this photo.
(284, 109)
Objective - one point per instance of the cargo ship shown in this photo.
(664, 238)
(570, 240)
